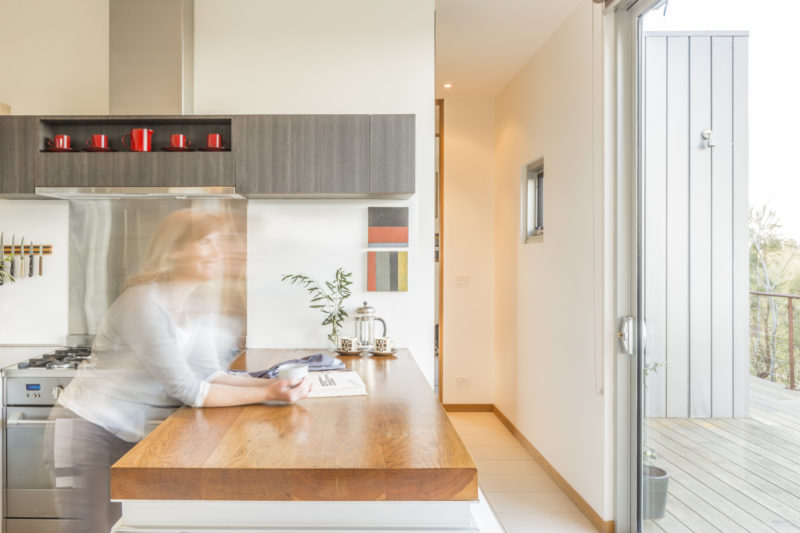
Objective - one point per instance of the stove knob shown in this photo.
(56, 391)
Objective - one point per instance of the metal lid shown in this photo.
(366, 310)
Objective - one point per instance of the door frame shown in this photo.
(624, 60)
(440, 140)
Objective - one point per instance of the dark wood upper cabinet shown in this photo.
(17, 136)
(317, 156)
(302, 154)
(392, 141)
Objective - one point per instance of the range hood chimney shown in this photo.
(151, 57)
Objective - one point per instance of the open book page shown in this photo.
(329, 384)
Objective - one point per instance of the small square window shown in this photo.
(534, 202)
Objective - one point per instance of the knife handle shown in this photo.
(30, 266)
(40, 261)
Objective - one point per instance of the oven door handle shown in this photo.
(18, 419)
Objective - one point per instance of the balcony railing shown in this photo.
(772, 336)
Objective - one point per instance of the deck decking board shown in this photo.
(732, 474)
(732, 495)
(728, 487)
(787, 481)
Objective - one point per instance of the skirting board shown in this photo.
(596, 520)
(468, 407)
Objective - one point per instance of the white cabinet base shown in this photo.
(193, 516)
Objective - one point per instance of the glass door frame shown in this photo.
(625, 68)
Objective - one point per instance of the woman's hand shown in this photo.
(222, 395)
(288, 390)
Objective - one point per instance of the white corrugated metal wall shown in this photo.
(695, 217)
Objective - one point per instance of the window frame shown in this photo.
(533, 201)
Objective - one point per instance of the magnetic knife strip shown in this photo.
(46, 249)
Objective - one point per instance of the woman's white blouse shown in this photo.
(143, 360)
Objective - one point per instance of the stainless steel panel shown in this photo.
(41, 503)
(25, 446)
(33, 526)
(108, 240)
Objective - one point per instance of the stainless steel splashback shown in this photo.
(108, 241)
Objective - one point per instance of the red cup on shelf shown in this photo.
(141, 140)
(215, 140)
(61, 142)
(179, 140)
(98, 140)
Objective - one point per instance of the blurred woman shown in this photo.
(154, 349)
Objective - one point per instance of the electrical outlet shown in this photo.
(462, 381)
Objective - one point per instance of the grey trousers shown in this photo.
(81, 459)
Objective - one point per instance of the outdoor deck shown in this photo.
(732, 475)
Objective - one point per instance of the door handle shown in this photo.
(18, 419)
(625, 334)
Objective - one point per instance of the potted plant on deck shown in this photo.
(655, 480)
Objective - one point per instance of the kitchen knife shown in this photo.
(30, 261)
(40, 259)
(22, 258)
(13, 238)
(2, 257)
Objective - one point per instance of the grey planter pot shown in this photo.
(655, 482)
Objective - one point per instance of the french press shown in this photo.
(365, 325)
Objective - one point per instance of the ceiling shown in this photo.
(482, 44)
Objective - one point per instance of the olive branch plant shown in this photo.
(5, 276)
(328, 298)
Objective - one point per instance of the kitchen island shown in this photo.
(390, 459)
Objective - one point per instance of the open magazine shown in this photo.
(336, 383)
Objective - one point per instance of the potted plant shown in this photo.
(5, 276)
(655, 480)
(328, 298)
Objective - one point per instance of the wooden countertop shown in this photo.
(396, 443)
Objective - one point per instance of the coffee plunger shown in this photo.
(365, 325)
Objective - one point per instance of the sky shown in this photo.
(774, 76)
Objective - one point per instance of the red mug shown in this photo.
(98, 140)
(141, 140)
(214, 140)
(179, 140)
(59, 141)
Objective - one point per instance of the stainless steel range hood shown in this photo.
(116, 193)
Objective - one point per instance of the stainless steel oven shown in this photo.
(29, 496)
(30, 392)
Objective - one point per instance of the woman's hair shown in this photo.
(176, 231)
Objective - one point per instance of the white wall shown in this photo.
(34, 310)
(548, 353)
(54, 58)
(468, 344)
(54, 61)
(316, 56)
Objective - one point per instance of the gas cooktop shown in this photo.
(63, 358)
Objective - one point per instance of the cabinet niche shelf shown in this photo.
(81, 128)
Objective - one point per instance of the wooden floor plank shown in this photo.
(740, 464)
(712, 501)
(725, 515)
(732, 475)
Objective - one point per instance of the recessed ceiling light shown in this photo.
(447, 85)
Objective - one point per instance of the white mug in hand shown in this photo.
(293, 371)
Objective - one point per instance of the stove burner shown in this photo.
(61, 358)
(62, 364)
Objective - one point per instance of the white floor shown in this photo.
(522, 495)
